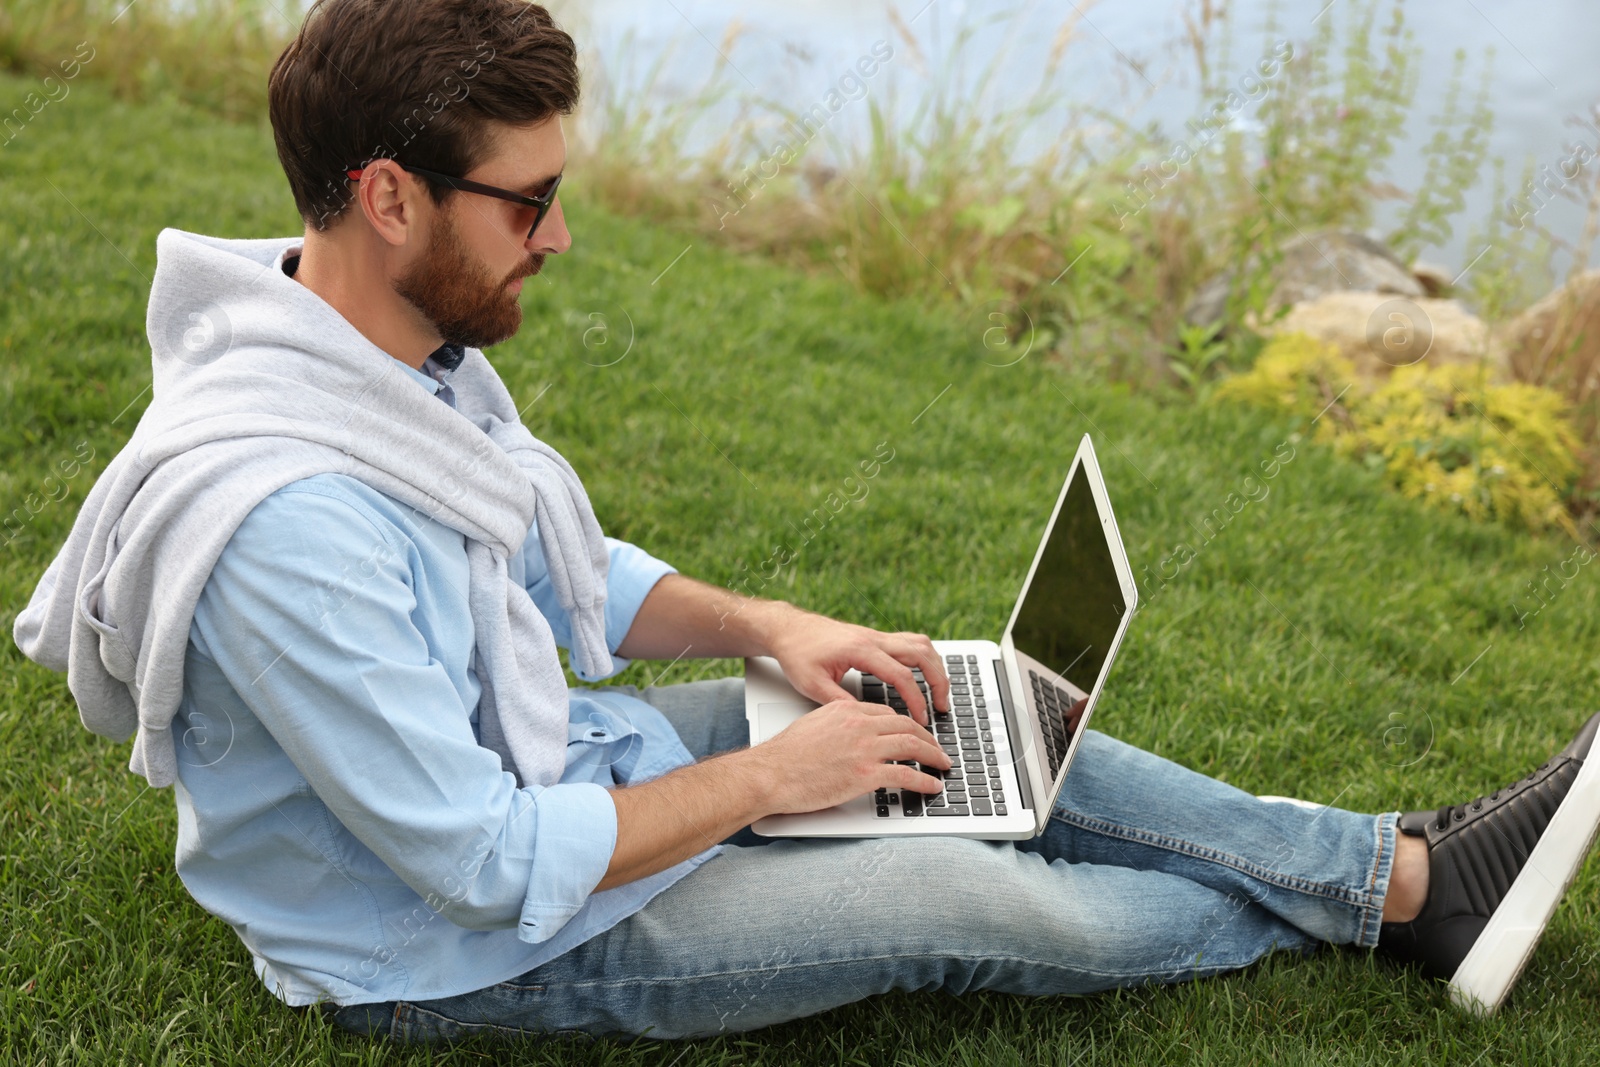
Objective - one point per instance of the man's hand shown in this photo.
(841, 751)
(835, 753)
(815, 651)
(682, 616)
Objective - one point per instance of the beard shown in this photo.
(455, 292)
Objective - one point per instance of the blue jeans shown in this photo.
(1146, 872)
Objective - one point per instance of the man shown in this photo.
(326, 579)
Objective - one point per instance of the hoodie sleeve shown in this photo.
(29, 629)
(632, 574)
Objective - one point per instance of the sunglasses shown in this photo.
(542, 202)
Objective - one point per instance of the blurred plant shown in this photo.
(213, 54)
(1513, 263)
(1294, 373)
(1455, 155)
(1332, 123)
(1199, 348)
(633, 137)
(1451, 439)
(1440, 434)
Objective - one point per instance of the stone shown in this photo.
(1434, 279)
(1381, 331)
(1538, 346)
(1312, 266)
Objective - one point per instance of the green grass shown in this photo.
(1318, 621)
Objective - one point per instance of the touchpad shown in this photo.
(772, 718)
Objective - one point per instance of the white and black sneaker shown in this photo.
(1498, 866)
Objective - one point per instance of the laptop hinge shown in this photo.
(1024, 786)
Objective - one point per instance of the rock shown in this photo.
(1381, 331)
(1433, 278)
(1537, 354)
(1312, 266)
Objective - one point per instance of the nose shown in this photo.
(551, 237)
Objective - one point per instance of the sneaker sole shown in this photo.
(1500, 953)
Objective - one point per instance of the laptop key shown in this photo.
(999, 809)
(981, 807)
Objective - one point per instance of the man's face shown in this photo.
(469, 275)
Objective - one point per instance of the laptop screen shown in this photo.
(1069, 617)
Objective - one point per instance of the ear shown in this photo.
(391, 202)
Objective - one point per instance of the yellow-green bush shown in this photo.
(1294, 373)
(1444, 434)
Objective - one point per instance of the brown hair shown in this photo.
(417, 81)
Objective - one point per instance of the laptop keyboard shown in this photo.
(1053, 703)
(972, 785)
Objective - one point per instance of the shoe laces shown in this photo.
(1458, 812)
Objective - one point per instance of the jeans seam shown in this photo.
(602, 983)
(1293, 883)
(498, 1028)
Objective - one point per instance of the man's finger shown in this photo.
(825, 689)
(901, 724)
(923, 653)
(899, 675)
(903, 777)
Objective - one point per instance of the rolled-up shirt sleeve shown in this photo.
(309, 615)
(633, 572)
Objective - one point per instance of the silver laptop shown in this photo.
(1018, 707)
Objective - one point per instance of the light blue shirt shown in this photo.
(335, 806)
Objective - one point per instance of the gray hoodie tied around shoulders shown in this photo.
(259, 383)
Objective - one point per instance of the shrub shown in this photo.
(1441, 434)
(1294, 373)
(1453, 440)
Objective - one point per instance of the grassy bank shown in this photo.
(1328, 640)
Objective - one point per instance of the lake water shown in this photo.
(1130, 60)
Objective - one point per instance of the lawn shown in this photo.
(1328, 639)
